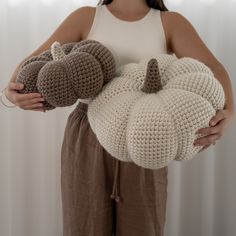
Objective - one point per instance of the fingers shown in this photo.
(15, 86)
(35, 104)
(208, 130)
(207, 140)
(32, 106)
(29, 102)
(18, 97)
(205, 147)
(220, 115)
(26, 100)
(21, 98)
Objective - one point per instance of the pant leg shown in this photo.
(142, 208)
(86, 180)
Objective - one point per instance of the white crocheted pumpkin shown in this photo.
(149, 113)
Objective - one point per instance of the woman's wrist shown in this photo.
(5, 101)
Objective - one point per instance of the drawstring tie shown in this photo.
(115, 194)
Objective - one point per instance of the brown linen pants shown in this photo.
(90, 176)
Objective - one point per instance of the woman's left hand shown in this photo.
(218, 124)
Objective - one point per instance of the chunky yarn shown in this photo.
(66, 73)
(149, 113)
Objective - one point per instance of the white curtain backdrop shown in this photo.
(201, 192)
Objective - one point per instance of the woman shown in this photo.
(101, 195)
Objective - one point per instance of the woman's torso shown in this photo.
(129, 41)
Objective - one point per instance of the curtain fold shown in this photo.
(201, 192)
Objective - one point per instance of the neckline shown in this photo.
(127, 21)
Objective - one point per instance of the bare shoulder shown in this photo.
(87, 14)
(172, 14)
(84, 14)
(171, 21)
(71, 29)
(85, 11)
(185, 41)
(173, 18)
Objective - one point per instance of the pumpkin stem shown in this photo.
(152, 83)
(57, 51)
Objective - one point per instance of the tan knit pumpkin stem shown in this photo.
(152, 83)
(57, 51)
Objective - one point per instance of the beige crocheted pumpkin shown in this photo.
(149, 113)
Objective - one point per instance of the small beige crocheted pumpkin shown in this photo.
(150, 112)
(68, 72)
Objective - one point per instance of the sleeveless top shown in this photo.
(129, 41)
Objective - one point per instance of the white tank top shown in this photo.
(129, 41)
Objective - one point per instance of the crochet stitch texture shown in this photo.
(66, 73)
(150, 112)
(146, 112)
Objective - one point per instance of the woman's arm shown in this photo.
(184, 41)
(70, 30)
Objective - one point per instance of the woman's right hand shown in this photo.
(29, 101)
